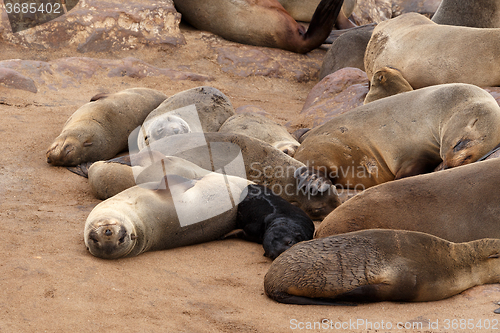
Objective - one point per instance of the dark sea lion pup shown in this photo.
(380, 265)
(99, 129)
(261, 23)
(270, 220)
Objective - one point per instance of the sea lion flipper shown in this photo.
(82, 169)
(301, 300)
(236, 233)
(121, 160)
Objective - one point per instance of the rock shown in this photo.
(102, 25)
(336, 94)
(372, 11)
(427, 7)
(244, 61)
(64, 72)
(14, 80)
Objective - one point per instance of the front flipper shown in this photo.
(82, 169)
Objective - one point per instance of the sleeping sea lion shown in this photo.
(152, 216)
(267, 219)
(428, 54)
(403, 135)
(200, 109)
(261, 22)
(262, 128)
(380, 265)
(99, 129)
(427, 203)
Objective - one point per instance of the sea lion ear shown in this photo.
(99, 96)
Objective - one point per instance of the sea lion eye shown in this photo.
(122, 239)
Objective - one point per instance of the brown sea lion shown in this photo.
(427, 53)
(469, 13)
(238, 154)
(262, 128)
(108, 178)
(404, 135)
(261, 22)
(99, 130)
(156, 216)
(200, 109)
(380, 265)
(303, 10)
(428, 203)
(387, 81)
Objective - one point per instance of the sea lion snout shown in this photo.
(60, 152)
(110, 241)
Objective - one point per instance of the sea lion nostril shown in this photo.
(108, 232)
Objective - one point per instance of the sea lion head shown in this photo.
(110, 237)
(288, 148)
(164, 126)
(387, 81)
(283, 234)
(316, 195)
(68, 150)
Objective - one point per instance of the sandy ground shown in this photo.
(50, 283)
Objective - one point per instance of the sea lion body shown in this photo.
(348, 50)
(386, 82)
(261, 22)
(99, 130)
(404, 135)
(469, 13)
(427, 203)
(380, 265)
(429, 54)
(151, 217)
(243, 156)
(200, 109)
(272, 221)
(108, 178)
(262, 128)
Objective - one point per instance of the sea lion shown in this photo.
(261, 163)
(427, 203)
(99, 130)
(270, 220)
(108, 178)
(403, 135)
(153, 217)
(261, 22)
(348, 50)
(200, 109)
(427, 53)
(469, 13)
(387, 81)
(380, 265)
(262, 128)
(303, 10)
